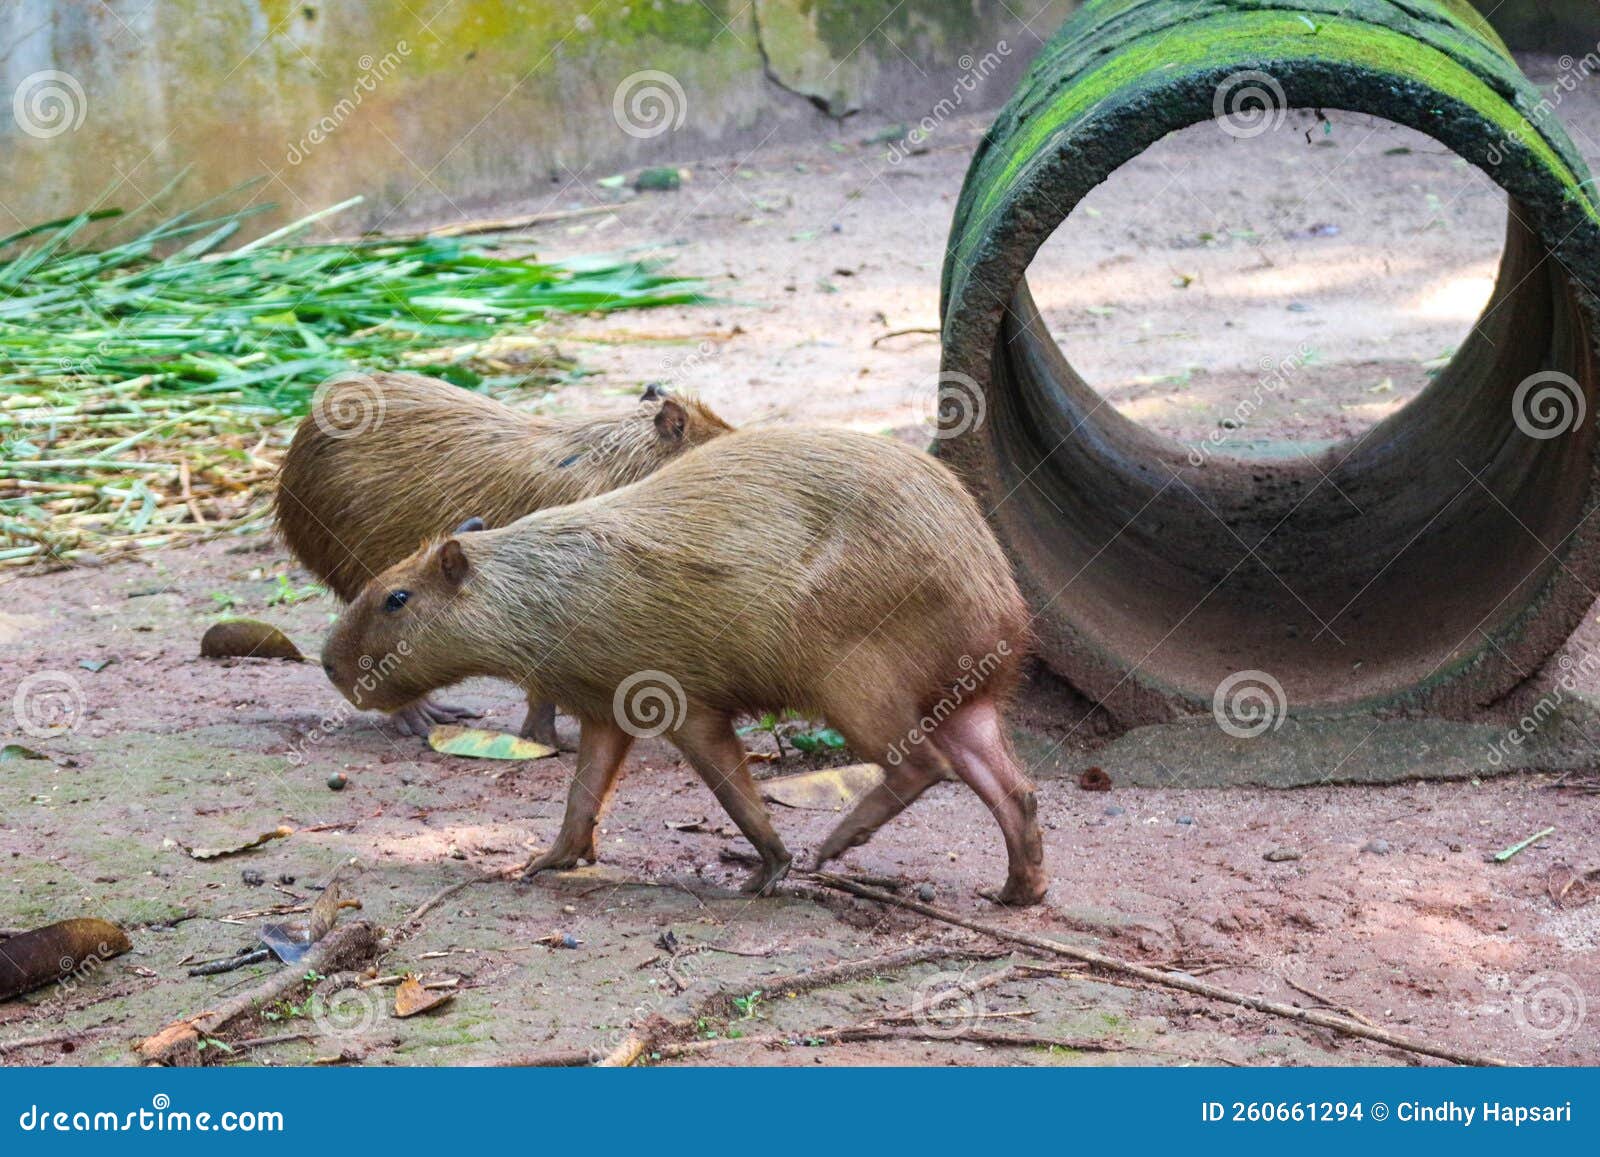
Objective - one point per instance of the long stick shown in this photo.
(1163, 979)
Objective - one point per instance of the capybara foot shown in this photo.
(420, 718)
(540, 726)
(767, 877)
(1021, 891)
(557, 859)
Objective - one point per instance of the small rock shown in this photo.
(337, 780)
(1185, 820)
(1377, 847)
(568, 940)
(570, 909)
(456, 853)
(1281, 855)
(286, 880)
(252, 878)
(925, 893)
(1114, 810)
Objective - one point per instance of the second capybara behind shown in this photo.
(839, 574)
(386, 461)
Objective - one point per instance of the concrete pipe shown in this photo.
(1432, 562)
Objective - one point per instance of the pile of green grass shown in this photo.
(145, 383)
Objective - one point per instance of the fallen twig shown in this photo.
(1165, 980)
(50, 1038)
(1343, 1010)
(217, 967)
(525, 221)
(902, 332)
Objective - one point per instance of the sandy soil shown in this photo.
(1201, 263)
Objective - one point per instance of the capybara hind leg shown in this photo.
(601, 750)
(977, 748)
(718, 756)
(539, 724)
(421, 717)
(901, 785)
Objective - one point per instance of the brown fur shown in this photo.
(435, 455)
(839, 574)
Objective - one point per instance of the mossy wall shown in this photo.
(431, 106)
(435, 106)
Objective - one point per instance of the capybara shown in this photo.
(840, 574)
(387, 461)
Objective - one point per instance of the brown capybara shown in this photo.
(387, 461)
(840, 574)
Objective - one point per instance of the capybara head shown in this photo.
(680, 422)
(377, 653)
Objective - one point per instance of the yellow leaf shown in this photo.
(476, 743)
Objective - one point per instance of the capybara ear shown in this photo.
(453, 562)
(653, 391)
(671, 420)
(471, 524)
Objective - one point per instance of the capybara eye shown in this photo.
(396, 600)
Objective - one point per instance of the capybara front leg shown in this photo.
(601, 750)
(719, 758)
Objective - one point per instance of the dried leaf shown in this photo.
(213, 853)
(698, 825)
(247, 639)
(411, 998)
(476, 743)
(1094, 779)
(830, 789)
(1570, 888)
(324, 913)
(57, 951)
(17, 751)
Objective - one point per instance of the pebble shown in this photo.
(1377, 847)
(1281, 855)
(568, 940)
(925, 893)
(570, 909)
(1114, 810)
(337, 780)
(1185, 819)
(252, 878)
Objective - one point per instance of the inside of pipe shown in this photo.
(1346, 568)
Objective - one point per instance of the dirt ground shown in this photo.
(1358, 251)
